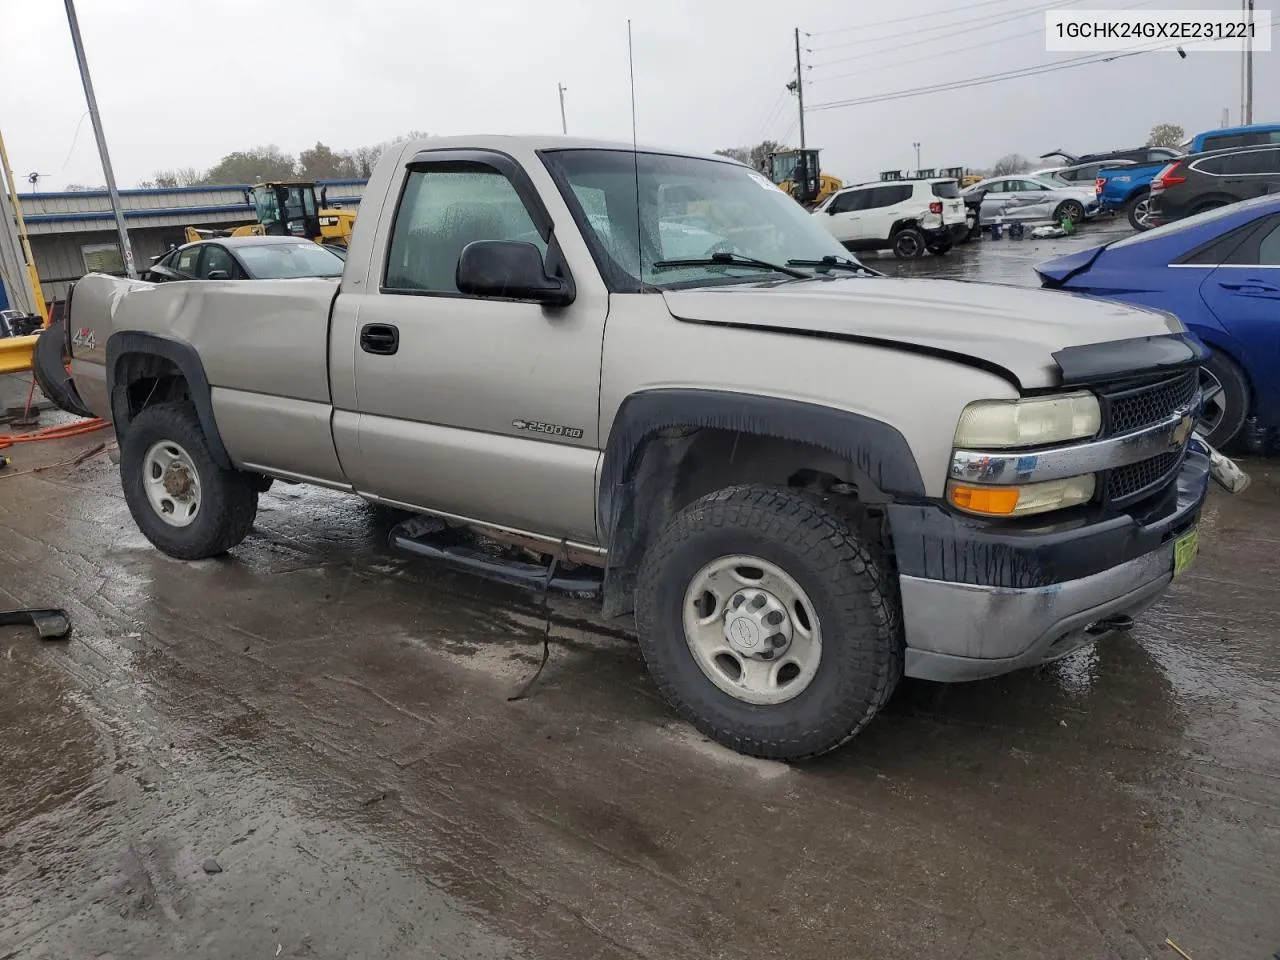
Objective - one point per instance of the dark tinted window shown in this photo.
(947, 190)
(217, 258)
(851, 201)
(888, 196)
(1236, 247)
(1249, 162)
(1228, 140)
(1215, 165)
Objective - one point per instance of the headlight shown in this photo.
(1021, 501)
(1028, 423)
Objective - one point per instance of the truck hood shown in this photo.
(1013, 331)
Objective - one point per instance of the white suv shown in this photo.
(906, 216)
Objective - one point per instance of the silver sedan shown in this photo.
(1028, 198)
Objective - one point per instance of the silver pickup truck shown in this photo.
(652, 376)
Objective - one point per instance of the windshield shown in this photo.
(283, 261)
(689, 208)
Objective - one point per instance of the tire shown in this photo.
(940, 249)
(49, 367)
(1073, 210)
(225, 501)
(908, 244)
(855, 611)
(1226, 409)
(1136, 211)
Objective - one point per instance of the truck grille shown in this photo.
(1130, 407)
(1137, 407)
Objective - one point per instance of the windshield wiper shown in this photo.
(829, 262)
(726, 259)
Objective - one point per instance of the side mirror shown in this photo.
(831, 210)
(218, 275)
(511, 270)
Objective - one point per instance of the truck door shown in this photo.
(478, 407)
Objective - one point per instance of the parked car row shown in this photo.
(908, 217)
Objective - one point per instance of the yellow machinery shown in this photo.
(288, 208)
(15, 352)
(798, 173)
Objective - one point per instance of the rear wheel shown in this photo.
(1226, 399)
(908, 244)
(1138, 210)
(183, 502)
(767, 623)
(1072, 210)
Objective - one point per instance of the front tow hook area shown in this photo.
(1225, 471)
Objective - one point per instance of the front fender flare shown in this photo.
(877, 449)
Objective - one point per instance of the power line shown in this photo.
(982, 80)
(965, 7)
(951, 29)
(972, 46)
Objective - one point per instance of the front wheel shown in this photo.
(768, 624)
(1226, 399)
(908, 244)
(1138, 210)
(182, 501)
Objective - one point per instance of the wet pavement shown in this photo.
(326, 728)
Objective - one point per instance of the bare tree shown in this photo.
(364, 158)
(179, 177)
(1166, 135)
(1010, 163)
(756, 157)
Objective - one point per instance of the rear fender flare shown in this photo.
(183, 356)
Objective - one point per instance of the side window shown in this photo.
(443, 208)
(851, 201)
(1214, 165)
(997, 186)
(216, 258)
(1246, 162)
(1269, 248)
(1237, 247)
(186, 262)
(888, 196)
(1031, 186)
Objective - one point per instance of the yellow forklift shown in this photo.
(288, 208)
(798, 173)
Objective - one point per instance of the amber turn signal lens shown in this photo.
(996, 501)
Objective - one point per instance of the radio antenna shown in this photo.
(635, 156)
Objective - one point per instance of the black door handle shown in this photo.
(380, 338)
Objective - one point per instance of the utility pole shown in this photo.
(917, 146)
(1248, 68)
(126, 250)
(800, 87)
(564, 127)
(1243, 16)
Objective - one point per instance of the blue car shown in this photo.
(1219, 273)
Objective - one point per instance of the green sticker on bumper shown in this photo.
(1184, 551)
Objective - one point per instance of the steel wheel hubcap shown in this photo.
(1214, 410)
(172, 483)
(752, 629)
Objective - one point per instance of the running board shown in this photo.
(424, 538)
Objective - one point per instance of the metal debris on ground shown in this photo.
(51, 623)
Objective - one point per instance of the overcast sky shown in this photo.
(182, 83)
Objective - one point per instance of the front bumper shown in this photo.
(1047, 591)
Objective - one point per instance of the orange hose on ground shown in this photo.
(61, 432)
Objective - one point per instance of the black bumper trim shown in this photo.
(932, 542)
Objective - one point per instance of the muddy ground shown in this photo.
(326, 726)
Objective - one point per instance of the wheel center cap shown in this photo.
(177, 482)
(743, 632)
